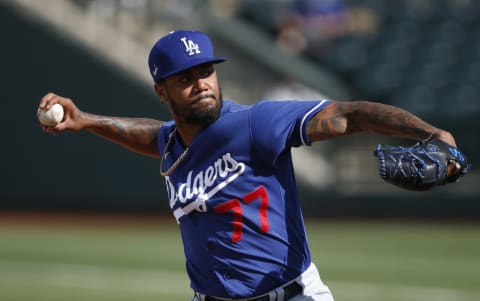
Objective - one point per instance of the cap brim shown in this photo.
(191, 64)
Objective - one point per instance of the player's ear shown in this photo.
(160, 90)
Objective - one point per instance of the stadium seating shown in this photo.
(422, 55)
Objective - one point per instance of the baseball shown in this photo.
(51, 117)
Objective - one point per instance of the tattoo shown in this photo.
(137, 134)
(326, 125)
(393, 121)
(134, 129)
(343, 118)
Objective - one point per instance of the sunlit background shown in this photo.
(83, 219)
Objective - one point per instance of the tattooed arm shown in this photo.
(136, 134)
(343, 118)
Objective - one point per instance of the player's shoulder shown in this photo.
(168, 125)
(295, 105)
(232, 107)
(166, 128)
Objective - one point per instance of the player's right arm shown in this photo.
(136, 134)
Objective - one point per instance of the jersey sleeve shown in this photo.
(279, 125)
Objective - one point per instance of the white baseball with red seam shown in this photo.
(51, 117)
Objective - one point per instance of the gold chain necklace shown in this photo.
(164, 155)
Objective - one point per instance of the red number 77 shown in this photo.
(235, 206)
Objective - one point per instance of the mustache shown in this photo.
(203, 96)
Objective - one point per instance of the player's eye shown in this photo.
(207, 71)
(185, 79)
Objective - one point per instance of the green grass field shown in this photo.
(129, 260)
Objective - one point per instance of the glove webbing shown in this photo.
(408, 153)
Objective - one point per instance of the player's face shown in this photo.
(193, 95)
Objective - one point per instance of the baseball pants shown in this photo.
(313, 289)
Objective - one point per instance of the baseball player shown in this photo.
(228, 170)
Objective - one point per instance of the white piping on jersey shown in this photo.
(305, 118)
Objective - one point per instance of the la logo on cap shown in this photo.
(191, 48)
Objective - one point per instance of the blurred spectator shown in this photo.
(291, 37)
(223, 8)
(313, 26)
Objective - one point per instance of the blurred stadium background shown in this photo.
(421, 55)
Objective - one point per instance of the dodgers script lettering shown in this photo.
(201, 184)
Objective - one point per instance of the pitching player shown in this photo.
(229, 173)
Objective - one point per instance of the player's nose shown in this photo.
(200, 84)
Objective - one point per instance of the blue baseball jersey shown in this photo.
(235, 198)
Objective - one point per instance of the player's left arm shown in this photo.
(343, 118)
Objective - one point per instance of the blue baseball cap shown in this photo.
(178, 51)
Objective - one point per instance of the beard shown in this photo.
(202, 117)
(206, 116)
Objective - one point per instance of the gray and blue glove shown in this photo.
(422, 166)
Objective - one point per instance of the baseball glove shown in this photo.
(423, 166)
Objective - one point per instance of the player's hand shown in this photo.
(73, 119)
(446, 137)
(453, 168)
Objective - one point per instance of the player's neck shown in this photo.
(186, 133)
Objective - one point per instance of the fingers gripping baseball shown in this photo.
(71, 120)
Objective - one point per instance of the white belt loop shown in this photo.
(200, 296)
(280, 294)
(272, 296)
